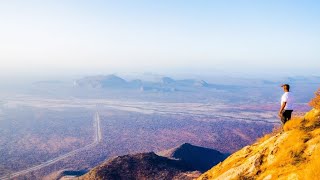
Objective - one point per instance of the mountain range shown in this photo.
(165, 84)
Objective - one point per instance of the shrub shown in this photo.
(291, 150)
(293, 123)
(315, 102)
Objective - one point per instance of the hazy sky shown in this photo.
(159, 35)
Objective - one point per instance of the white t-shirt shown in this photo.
(287, 97)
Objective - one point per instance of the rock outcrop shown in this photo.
(141, 166)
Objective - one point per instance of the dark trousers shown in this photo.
(286, 116)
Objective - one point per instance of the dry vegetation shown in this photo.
(48, 132)
(291, 154)
(31, 136)
(315, 102)
(312, 168)
(275, 131)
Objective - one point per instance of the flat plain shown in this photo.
(36, 130)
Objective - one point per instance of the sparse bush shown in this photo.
(315, 102)
(293, 123)
(291, 150)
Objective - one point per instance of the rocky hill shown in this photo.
(183, 162)
(293, 153)
(141, 166)
(200, 158)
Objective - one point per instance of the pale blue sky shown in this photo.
(159, 36)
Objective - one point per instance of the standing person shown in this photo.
(286, 104)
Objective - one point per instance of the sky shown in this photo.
(187, 36)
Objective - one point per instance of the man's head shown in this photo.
(286, 87)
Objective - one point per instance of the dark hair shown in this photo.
(287, 86)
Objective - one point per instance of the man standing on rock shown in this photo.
(286, 104)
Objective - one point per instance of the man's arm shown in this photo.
(282, 108)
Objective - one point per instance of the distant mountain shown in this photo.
(200, 158)
(140, 166)
(109, 81)
(167, 80)
(166, 84)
